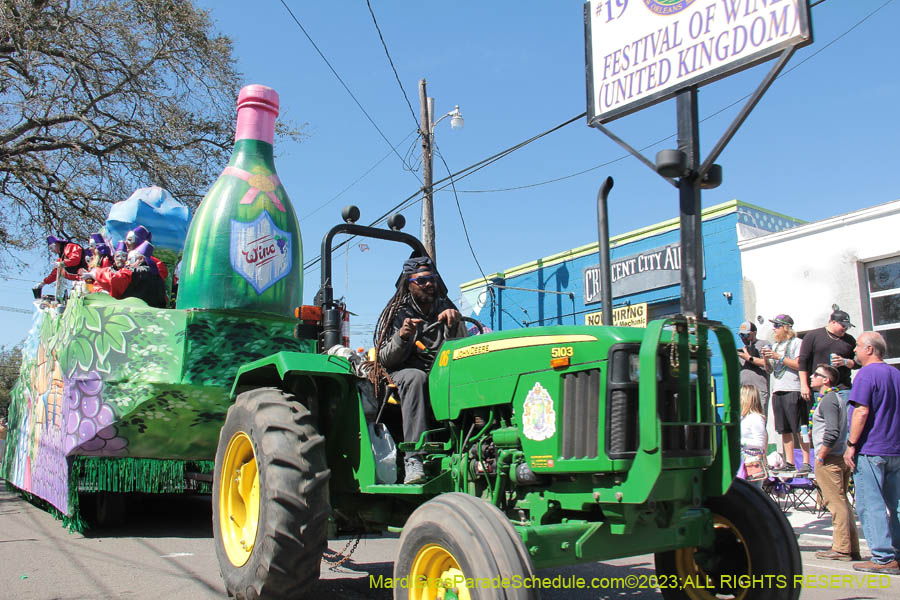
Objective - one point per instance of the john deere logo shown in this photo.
(667, 7)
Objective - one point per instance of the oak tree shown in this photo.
(99, 98)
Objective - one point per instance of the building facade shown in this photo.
(564, 289)
(851, 261)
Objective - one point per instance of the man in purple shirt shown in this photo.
(873, 452)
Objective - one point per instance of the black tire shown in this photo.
(768, 540)
(477, 535)
(293, 506)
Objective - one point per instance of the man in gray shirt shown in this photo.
(829, 434)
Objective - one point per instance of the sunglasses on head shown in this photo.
(422, 280)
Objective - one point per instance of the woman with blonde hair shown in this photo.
(754, 439)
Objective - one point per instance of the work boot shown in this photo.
(835, 555)
(415, 470)
(891, 568)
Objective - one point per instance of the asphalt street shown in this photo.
(166, 551)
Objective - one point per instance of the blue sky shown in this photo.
(821, 142)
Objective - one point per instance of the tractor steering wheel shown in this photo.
(444, 332)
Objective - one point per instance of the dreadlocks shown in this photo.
(383, 329)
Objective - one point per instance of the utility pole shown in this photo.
(425, 128)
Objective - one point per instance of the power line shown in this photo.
(16, 310)
(388, 54)
(704, 119)
(355, 181)
(462, 173)
(352, 95)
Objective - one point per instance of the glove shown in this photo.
(36, 290)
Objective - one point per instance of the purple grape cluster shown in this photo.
(89, 423)
(281, 243)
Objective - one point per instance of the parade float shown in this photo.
(115, 396)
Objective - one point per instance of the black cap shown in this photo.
(841, 317)
(783, 320)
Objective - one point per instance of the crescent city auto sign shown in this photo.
(640, 52)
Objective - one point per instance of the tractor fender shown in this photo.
(273, 369)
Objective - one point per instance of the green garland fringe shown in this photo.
(73, 523)
(147, 475)
(123, 475)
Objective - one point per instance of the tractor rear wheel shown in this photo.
(456, 538)
(270, 497)
(754, 554)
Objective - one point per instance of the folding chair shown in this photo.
(800, 492)
(776, 489)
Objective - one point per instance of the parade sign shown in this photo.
(640, 52)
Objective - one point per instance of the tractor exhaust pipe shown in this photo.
(603, 232)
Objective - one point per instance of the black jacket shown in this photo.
(398, 353)
(148, 286)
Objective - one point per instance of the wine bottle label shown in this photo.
(259, 184)
(260, 252)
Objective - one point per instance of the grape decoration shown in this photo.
(89, 423)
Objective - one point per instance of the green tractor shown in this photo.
(553, 446)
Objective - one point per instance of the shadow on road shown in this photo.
(156, 516)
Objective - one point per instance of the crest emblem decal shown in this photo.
(538, 416)
(667, 7)
(260, 252)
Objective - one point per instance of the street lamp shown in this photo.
(427, 130)
(456, 119)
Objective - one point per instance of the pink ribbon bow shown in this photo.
(254, 191)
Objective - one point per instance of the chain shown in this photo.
(691, 324)
(337, 562)
(673, 351)
(692, 330)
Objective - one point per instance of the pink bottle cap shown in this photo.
(257, 108)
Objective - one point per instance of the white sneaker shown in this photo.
(415, 470)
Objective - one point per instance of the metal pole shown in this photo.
(692, 301)
(603, 250)
(427, 200)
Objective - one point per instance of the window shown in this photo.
(883, 279)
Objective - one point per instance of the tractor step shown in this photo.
(439, 484)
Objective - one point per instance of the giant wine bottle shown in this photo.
(243, 249)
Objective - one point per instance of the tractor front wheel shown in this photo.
(754, 553)
(270, 497)
(454, 546)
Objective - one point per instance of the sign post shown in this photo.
(641, 52)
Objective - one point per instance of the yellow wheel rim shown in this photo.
(703, 585)
(239, 499)
(436, 574)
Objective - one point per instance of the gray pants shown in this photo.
(413, 388)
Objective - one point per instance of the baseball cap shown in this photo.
(783, 320)
(746, 327)
(841, 317)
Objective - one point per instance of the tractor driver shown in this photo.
(421, 300)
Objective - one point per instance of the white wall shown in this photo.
(803, 271)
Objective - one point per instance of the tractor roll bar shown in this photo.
(331, 314)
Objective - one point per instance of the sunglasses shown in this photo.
(817, 374)
(421, 281)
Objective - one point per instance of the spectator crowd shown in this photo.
(835, 397)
